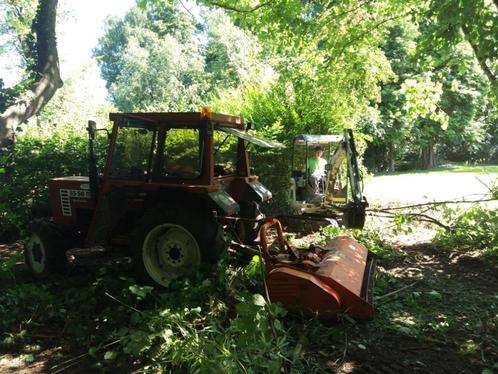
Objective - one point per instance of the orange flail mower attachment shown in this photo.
(330, 280)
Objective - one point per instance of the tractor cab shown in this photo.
(325, 181)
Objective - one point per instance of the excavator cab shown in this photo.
(326, 182)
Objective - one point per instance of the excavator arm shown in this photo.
(354, 211)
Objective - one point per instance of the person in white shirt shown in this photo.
(316, 170)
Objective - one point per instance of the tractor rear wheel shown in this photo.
(172, 242)
(45, 249)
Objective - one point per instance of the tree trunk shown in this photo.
(48, 75)
(390, 155)
(428, 156)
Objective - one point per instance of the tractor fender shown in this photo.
(256, 191)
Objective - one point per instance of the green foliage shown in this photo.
(150, 60)
(204, 324)
(16, 28)
(7, 268)
(471, 21)
(197, 339)
(36, 159)
(72, 106)
(440, 102)
(153, 59)
(19, 304)
(18, 43)
(55, 146)
(474, 228)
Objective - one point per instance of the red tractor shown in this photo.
(169, 182)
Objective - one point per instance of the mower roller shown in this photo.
(326, 281)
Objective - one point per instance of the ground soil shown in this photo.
(373, 347)
(454, 275)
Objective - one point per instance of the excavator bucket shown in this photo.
(326, 281)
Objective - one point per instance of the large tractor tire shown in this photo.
(45, 249)
(171, 242)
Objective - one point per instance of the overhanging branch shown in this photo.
(480, 59)
(235, 9)
(48, 78)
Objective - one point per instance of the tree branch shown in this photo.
(434, 203)
(340, 15)
(186, 9)
(235, 9)
(376, 26)
(423, 217)
(47, 73)
(485, 68)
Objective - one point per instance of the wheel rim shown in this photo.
(168, 252)
(37, 255)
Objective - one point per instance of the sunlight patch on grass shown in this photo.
(449, 168)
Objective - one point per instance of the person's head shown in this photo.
(318, 151)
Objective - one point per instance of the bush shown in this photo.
(31, 163)
(474, 228)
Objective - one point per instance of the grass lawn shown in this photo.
(449, 168)
(460, 181)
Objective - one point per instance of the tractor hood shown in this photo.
(262, 142)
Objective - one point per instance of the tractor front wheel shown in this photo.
(45, 252)
(173, 243)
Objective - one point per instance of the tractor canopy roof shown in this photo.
(178, 118)
(230, 124)
(316, 139)
(251, 138)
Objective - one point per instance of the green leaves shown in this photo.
(258, 300)
(140, 291)
(470, 21)
(474, 228)
(422, 99)
(254, 269)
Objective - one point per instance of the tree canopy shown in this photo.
(420, 71)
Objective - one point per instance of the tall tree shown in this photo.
(43, 78)
(159, 57)
(151, 59)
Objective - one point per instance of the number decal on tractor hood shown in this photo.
(66, 196)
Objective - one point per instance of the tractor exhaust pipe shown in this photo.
(92, 164)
